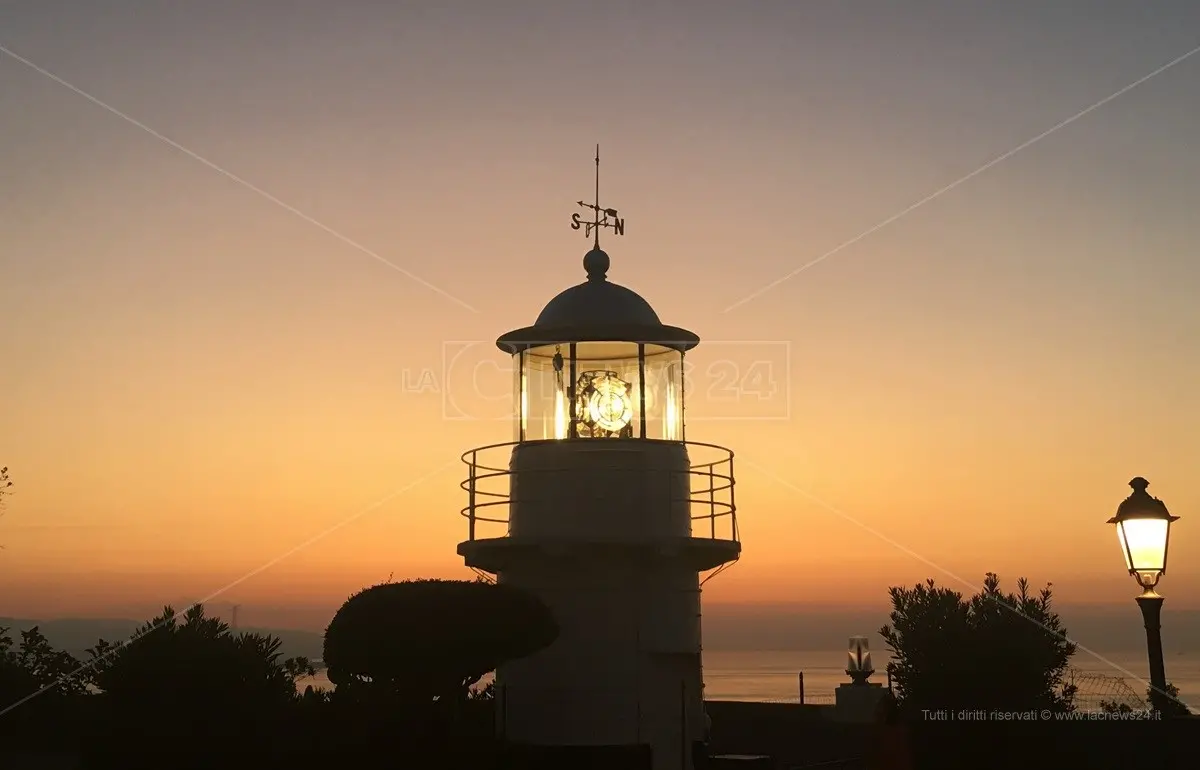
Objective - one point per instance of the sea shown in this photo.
(773, 676)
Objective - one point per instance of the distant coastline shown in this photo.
(773, 676)
(730, 628)
(731, 671)
(724, 632)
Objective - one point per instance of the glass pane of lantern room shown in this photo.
(664, 393)
(518, 396)
(544, 396)
(607, 393)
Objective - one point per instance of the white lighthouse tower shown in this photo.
(602, 509)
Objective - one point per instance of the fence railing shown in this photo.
(708, 493)
(810, 699)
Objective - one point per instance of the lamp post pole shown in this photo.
(1151, 606)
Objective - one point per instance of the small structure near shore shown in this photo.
(858, 700)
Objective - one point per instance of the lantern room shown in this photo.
(598, 364)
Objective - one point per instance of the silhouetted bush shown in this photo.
(992, 651)
(190, 682)
(421, 640)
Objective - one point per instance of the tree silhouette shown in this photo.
(1173, 706)
(197, 659)
(422, 640)
(992, 651)
(49, 668)
(15, 682)
(5, 491)
(5, 486)
(35, 667)
(42, 689)
(191, 676)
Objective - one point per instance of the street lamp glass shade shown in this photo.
(1144, 529)
(1144, 542)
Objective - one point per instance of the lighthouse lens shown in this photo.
(605, 405)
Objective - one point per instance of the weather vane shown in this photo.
(600, 216)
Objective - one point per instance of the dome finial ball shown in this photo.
(595, 262)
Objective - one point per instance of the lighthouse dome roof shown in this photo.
(597, 310)
(597, 300)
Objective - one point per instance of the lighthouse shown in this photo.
(604, 509)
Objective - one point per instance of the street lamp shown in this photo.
(1144, 528)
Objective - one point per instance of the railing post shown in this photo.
(471, 500)
(732, 500)
(509, 480)
(712, 502)
(802, 687)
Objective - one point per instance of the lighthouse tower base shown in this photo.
(613, 677)
(602, 533)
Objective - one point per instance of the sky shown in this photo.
(256, 257)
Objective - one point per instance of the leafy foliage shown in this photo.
(188, 687)
(1169, 704)
(41, 690)
(421, 640)
(992, 651)
(50, 668)
(188, 678)
(35, 666)
(5, 485)
(196, 659)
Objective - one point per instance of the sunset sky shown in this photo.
(231, 229)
